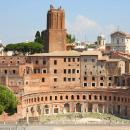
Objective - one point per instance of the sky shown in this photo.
(86, 19)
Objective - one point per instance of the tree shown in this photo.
(70, 39)
(25, 48)
(38, 38)
(8, 101)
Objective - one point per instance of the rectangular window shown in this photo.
(69, 71)
(55, 79)
(43, 79)
(55, 71)
(78, 59)
(101, 78)
(5, 71)
(50, 98)
(73, 79)
(64, 59)
(73, 59)
(69, 59)
(64, 71)
(44, 62)
(14, 71)
(85, 78)
(101, 84)
(93, 84)
(73, 71)
(44, 71)
(85, 84)
(93, 78)
(77, 71)
(110, 78)
(55, 62)
(55, 97)
(65, 79)
(69, 79)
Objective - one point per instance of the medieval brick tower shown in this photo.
(55, 35)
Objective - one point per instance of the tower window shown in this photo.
(55, 62)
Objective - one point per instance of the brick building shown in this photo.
(63, 81)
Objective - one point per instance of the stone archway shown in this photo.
(78, 107)
(66, 108)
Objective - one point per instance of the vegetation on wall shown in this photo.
(70, 38)
(8, 101)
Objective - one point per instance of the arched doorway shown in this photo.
(78, 107)
(66, 108)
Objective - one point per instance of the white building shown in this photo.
(120, 41)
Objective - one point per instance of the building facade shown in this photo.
(63, 81)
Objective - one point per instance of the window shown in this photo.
(105, 97)
(78, 59)
(85, 84)
(100, 97)
(43, 79)
(72, 97)
(14, 71)
(55, 97)
(50, 98)
(93, 84)
(55, 62)
(69, 71)
(109, 84)
(36, 62)
(109, 98)
(77, 71)
(5, 71)
(18, 62)
(93, 60)
(64, 78)
(55, 79)
(73, 59)
(84, 97)
(66, 97)
(85, 78)
(55, 71)
(93, 78)
(101, 78)
(69, 60)
(35, 71)
(44, 62)
(89, 97)
(61, 97)
(45, 98)
(101, 84)
(114, 98)
(110, 78)
(95, 97)
(118, 99)
(64, 59)
(73, 71)
(77, 97)
(69, 79)
(44, 71)
(64, 71)
(73, 79)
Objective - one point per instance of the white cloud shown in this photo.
(82, 25)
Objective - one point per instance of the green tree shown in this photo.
(8, 101)
(38, 38)
(25, 48)
(70, 39)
